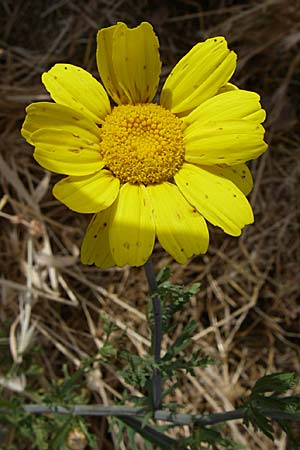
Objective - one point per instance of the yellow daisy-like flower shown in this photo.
(148, 169)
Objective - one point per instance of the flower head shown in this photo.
(149, 169)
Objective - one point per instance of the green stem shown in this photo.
(156, 336)
(166, 416)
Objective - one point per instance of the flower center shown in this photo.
(142, 143)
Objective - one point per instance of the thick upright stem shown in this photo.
(157, 334)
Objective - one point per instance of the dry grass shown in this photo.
(248, 307)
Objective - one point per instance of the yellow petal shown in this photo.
(215, 197)
(227, 87)
(180, 229)
(231, 105)
(128, 62)
(66, 152)
(52, 115)
(95, 246)
(198, 76)
(240, 175)
(88, 194)
(224, 142)
(74, 87)
(132, 230)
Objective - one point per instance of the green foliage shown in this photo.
(138, 371)
(265, 402)
(174, 360)
(173, 298)
(109, 349)
(277, 383)
(50, 431)
(41, 431)
(154, 437)
(212, 437)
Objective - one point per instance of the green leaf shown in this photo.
(212, 437)
(262, 410)
(65, 392)
(58, 441)
(148, 445)
(163, 275)
(150, 433)
(173, 298)
(181, 342)
(131, 441)
(276, 382)
(139, 370)
(259, 421)
(40, 433)
(170, 389)
(108, 350)
(146, 419)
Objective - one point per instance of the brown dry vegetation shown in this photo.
(248, 307)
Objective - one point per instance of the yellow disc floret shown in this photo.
(142, 143)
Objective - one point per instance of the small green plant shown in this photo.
(67, 406)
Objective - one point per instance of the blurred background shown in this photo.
(248, 306)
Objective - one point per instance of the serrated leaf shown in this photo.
(138, 371)
(148, 445)
(271, 402)
(120, 428)
(170, 389)
(108, 350)
(291, 403)
(214, 439)
(173, 298)
(276, 382)
(57, 442)
(181, 342)
(40, 434)
(71, 383)
(194, 289)
(146, 419)
(259, 421)
(163, 275)
(131, 434)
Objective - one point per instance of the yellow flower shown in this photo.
(148, 169)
